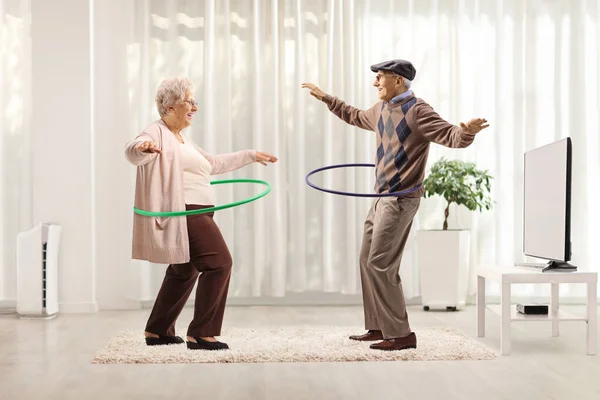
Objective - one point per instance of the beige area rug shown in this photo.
(293, 344)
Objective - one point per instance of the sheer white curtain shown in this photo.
(248, 60)
(15, 103)
(531, 68)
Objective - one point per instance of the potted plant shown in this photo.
(444, 253)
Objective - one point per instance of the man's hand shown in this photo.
(147, 147)
(314, 90)
(475, 125)
(263, 158)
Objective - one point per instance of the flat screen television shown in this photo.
(547, 205)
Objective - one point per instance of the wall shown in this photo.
(113, 174)
(15, 119)
(79, 176)
(61, 142)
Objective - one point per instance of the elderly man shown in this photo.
(405, 126)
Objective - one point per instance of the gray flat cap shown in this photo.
(401, 67)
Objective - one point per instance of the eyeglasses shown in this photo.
(192, 103)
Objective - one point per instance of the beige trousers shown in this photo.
(386, 230)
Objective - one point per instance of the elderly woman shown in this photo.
(173, 174)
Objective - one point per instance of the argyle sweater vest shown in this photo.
(392, 132)
(403, 132)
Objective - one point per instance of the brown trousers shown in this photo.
(210, 257)
(386, 231)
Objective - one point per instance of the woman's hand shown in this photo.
(147, 147)
(263, 158)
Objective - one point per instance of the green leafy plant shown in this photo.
(461, 183)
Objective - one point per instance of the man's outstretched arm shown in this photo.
(435, 129)
(351, 115)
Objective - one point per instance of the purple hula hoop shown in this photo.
(312, 185)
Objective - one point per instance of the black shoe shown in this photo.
(205, 345)
(162, 340)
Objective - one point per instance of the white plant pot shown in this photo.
(443, 258)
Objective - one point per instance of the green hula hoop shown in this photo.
(210, 209)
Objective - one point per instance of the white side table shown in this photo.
(507, 275)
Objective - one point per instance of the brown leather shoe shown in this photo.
(403, 343)
(371, 335)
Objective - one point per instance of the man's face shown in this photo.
(388, 85)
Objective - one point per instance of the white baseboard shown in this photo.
(66, 308)
(565, 300)
(78, 307)
(125, 305)
(8, 306)
(290, 300)
(320, 299)
(356, 300)
(312, 299)
(8, 303)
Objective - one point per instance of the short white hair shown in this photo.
(172, 91)
(407, 82)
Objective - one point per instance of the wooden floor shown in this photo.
(51, 360)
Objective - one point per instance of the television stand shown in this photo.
(560, 266)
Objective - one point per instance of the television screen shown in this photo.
(547, 202)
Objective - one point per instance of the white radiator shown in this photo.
(37, 271)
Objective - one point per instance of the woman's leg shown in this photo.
(175, 290)
(210, 256)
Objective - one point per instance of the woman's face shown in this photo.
(183, 112)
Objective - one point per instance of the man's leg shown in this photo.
(391, 226)
(374, 332)
(365, 278)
